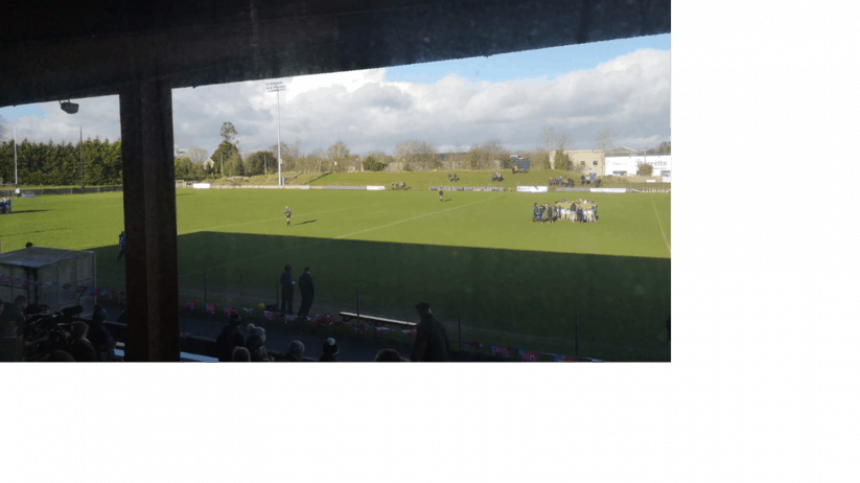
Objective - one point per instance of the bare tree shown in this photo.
(196, 155)
(337, 151)
(605, 140)
(417, 154)
(555, 141)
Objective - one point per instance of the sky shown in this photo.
(622, 85)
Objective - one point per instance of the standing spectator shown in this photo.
(330, 351)
(295, 351)
(81, 348)
(388, 355)
(257, 348)
(440, 195)
(669, 328)
(241, 354)
(306, 287)
(229, 339)
(121, 245)
(431, 340)
(100, 336)
(11, 345)
(287, 290)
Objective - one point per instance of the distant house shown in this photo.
(621, 151)
(591, 161)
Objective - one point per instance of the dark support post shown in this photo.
(576, 338)
(149, 203)
(277, 295)
(357, 307)
(205, 292)
(459, 330)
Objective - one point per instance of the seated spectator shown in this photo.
(388, 355)
(11, 346)
(28, 245)
(81, 348)
(59, 356)
(241, 354)
(330, 351)
(229, 339)
(257, 348)
(295, 351)
(261, 333)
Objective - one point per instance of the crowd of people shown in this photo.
(578, 211)
(32, 332)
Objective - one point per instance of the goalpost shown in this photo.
(180, 183)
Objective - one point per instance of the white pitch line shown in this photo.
(414, 218)
(661, 224)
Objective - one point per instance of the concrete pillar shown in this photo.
(149, 197)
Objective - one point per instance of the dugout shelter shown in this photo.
(42, 273)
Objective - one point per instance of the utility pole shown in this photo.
(15, 142)
(277, 87)
(81, 149)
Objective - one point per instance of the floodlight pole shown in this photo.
(81, 149)
(15, 143)
(277, 87)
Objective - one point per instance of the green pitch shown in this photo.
(515, 282)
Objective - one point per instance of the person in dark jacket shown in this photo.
(440, 195)
(541, 211)
(431, 339)
(121, 246)
(81, 348)
(330, 351)
(287, 289)
(535, 213)
(229, 339)
(306, 287)
(100, 336)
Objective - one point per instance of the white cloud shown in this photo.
(629, 94)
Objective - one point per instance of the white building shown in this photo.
(629, 165)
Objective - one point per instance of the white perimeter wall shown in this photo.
(630, 164)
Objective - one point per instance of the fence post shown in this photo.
(576, 338)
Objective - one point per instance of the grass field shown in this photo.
(516, 282)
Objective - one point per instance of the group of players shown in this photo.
(579, 211)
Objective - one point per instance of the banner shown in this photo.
(608, 190)
(473, 345)
(359, 328)
(67, 286)
(269, 315)
(228, 310)
(529, 356)
(7, 279)
(409, 331)
(248, 310)
(382, 329)
(93, 292)
(210, 309)
(201, 186)
(25, 283)
(376, 188)
(191, 304)
(80, 289)
(500, 351)
(561, 358)
(108, 294)
(532, 189)
(17, 281)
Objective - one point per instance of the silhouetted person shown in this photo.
(295, 351)
(28, 245)
(330, 351)
(440, 195)
(241, 354)
(388, 355)
(287, 290)
(306, 287)
(100, 336)
(431, 339)
(121, 245)
(229, 339)
(81, 348)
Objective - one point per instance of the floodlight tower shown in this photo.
(277, 87)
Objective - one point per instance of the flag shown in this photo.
(473, 345)
(228, 310)
(25, 283)
(189, 304)
(382, 329)
(210, 308)
(47, 284)
(561, 358)
(93, 292)
(268, 315)
(408, 331)
(248, 310)
(108, 294)
(529, 356)
(67, 286)
(359, 328)
(501, 351)
(6, 279)
(79, 289)
(17, 281)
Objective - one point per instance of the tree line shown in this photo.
(60, 164)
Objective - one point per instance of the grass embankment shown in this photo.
(477, 254)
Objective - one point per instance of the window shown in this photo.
(594, 163)
(582, 163)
